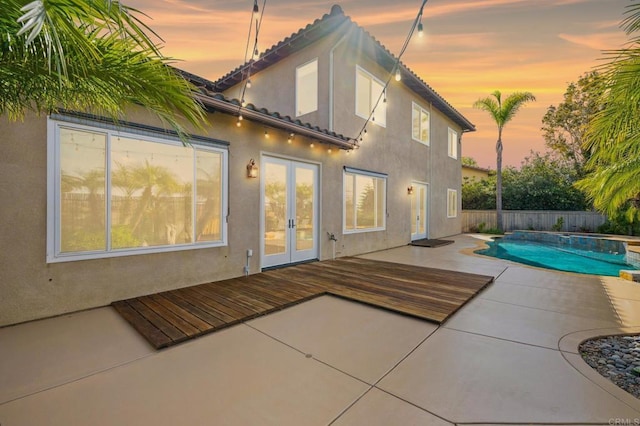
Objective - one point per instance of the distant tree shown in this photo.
(502, 113)
(613, 136)
(479, 195)
(468, 161)
(542, 183)
(564, 126)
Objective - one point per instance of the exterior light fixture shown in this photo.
(311, 145)
(290, 138)
(252, 169)
(410, 190)
(329, 151)
(266, 134)
(239, 122)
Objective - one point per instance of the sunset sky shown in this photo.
(470, 48)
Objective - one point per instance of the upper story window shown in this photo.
(453, 143)
(452, 203)
(365, 201)
(420, 124)
(368, 91)
(112, 193)
(307, 88)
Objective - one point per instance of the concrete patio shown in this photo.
(508, 357)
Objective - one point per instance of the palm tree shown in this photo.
(90, 55)
(613, 136)
(502, 113)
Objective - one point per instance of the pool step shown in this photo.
(630, 275)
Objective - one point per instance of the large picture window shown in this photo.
(115, 193)
(307, 88)
(420, 124)
(368, 91)
(364, 201)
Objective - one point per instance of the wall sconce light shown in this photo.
(410, 190)
(252, 169)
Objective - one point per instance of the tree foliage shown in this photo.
(613, 136)
(502, 112)
(542, 183)
(564, 126)
(92, 55)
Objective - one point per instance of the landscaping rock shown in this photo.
(617, 358)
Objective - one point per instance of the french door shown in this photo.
(419, 217)
(289, 211)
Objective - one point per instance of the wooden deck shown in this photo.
(171, 317)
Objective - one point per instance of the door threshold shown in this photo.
(286, 265)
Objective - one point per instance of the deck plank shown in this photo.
(174, 316)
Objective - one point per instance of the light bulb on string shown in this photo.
(420, 29)
(255, 6)
(249, 84)
(398, 76)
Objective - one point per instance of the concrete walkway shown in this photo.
(509, 356)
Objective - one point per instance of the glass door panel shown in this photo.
(275, 208)
(290, 211)
(304, 209)
(419, 215)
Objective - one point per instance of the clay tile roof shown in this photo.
(324, 26)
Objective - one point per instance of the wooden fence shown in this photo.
(538, 220)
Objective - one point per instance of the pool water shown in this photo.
(558, 258)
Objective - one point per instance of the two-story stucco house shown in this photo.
(94, 212)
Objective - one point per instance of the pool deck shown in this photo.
(509, 356)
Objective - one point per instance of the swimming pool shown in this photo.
(559, 255)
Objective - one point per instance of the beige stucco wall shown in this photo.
(32, 289)
(387, 149)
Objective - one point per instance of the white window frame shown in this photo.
(305, 91)
(452, 150)
(357, 172)
(452, 203)
(380, 117)
(417, 109)
(54, 253)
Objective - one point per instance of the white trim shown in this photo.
(302, 91)
(54, 254)
(422, 110)
(455, 205)
(454, 145)
(372, 101)
(355, 173)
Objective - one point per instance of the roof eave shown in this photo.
(266, 119)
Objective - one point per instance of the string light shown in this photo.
(311, 145)
(395, 71)
(329, 151)
(255, 6)
(243, 103)
(266, 134)
(249, 84)
(290, 138)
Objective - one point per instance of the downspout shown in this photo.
(331, 109)
(430, 187)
